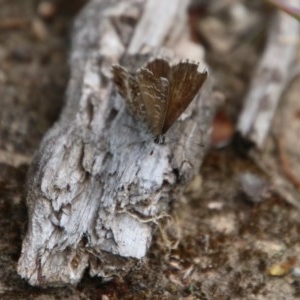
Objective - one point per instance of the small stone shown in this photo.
(39, 29)
(254, 187)
(46, 10)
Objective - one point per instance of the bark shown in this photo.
(98, 185)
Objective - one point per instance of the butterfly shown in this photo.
(159, 93)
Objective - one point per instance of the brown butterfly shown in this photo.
(158, 93)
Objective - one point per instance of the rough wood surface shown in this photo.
(98, 184)
(271, 79)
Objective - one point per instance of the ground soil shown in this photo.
(230, 243)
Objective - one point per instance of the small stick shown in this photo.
(13, 23)
(270, 79)
(285, 163)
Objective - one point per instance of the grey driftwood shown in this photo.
(272, 76)
(98, 184)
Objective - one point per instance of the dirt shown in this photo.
(236, 239)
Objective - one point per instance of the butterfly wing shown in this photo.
(129, 90)
(159, 67)
(185, 82)
(154, 91)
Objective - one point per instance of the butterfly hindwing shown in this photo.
(129, 90)
(154, 91)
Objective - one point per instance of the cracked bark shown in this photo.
(98, 184)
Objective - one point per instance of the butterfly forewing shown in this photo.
(120, 78)
(154, 91)
(185, 82)
(159, 67)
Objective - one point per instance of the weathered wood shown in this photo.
(271, 78)
(98, 183)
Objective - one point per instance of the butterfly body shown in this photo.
(158, 93)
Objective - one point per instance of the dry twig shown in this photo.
(285, 163)
(271, 78)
